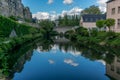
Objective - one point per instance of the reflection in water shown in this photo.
(17, 61)
(51, 61)
(64, 55)
(101, 61)
(71, 62)
(113, 69)
(14, 61)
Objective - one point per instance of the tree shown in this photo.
(91, 10)
(69, 20)
(47, 28)
(110, 23)
(66, 20)
(100, 23)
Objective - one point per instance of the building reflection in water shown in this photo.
(113, 69)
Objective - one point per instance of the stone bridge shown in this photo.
(64, 29)
(61, 40)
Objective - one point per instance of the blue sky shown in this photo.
(57, 5)
(44, 8)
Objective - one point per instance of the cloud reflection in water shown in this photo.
(51, 61)
(71, 62)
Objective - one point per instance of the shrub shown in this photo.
(111, 35)
(7, 25)
(82, 31)
(94, 32)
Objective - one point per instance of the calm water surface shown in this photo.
(61, 63)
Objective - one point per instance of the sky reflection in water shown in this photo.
(58, 64)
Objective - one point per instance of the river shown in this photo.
(62, 60)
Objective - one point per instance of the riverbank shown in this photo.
(94, 37)
(11, 58)
(14, 43)
(12, 35)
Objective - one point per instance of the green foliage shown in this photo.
(94, 32)
(72, 34)
(69, 20)
(47, 28)
(100, 24)
(115, 42)
(111, 35)
(6, 58)
(82, 31)
(91, 10)
(101, 35)
(109, 23)
(7, 25)
(13, 18)
(47, 25)
(97, 37)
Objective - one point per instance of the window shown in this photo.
(113, 10)
(118, 22)
(118, 9)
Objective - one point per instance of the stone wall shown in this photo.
(115, 4)
(14, 8)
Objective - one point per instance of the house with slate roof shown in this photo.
(113, 11)
(89, 20)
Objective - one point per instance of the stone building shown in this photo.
(113, 11)
(89, 20)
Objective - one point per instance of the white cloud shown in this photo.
(67, 1)
(53, 15)
(41, 15)
(45, 15)
(73, 11)
(50, 1)
(102, 5)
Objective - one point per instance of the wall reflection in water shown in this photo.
(113, 69)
